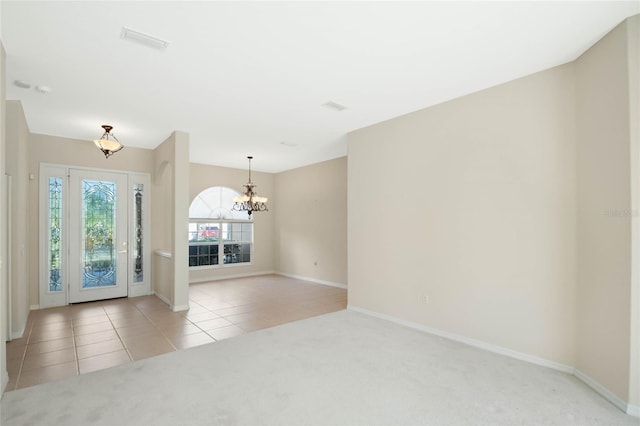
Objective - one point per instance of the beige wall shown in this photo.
(170, 218)
(83, 153)
(633, 27)
(311, 221)
(604, 206)
(472, 203)
(204, 176)
(70, 152)
(17, 137)
(520, 202)
(4, 304)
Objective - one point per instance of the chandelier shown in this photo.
(249, 201)
(106, 145)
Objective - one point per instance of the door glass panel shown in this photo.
(98, 230)
(55, 233)
(138, 273)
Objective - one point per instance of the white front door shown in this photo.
(98, 232)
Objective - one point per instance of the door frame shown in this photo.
(139, 286)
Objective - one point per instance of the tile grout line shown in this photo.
(160, 331)
(24, 355)
(30, 343)
(75, 347)
(118, 334)
(97, 355)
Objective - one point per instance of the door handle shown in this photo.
(124, 249)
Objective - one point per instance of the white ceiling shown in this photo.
(242, 78)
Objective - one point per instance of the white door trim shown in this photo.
(50, 299)
(140, 284)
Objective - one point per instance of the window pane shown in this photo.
(245, 252)
(98, 229)
(237, 253)
(215, 202)
(138, 273)
(208, 232)
(235, 239)
(247, 232)
(237, 232)
(203, 254)
(236, 229)
(193, 232)
(226, 231)
(231, 252)
(55, 233)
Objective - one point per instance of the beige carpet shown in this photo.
(343, 368)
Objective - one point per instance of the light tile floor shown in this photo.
(76, 339)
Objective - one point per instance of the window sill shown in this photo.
(223, 266)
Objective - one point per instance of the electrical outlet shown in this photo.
(425, 299)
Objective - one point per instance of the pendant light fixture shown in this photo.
(249, 201)
(108, 143)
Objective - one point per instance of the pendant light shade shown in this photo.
(108, 143)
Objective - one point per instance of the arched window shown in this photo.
(218, 235)
(215, 203)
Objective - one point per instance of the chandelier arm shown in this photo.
(247, 202)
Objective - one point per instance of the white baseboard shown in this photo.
(633, 410)
(254, 274)
(180, 308)
(164, 299)
(174, 308)
(313, 280)
(18, 334)
(468, 341)
(34, 307)
(606, 393)
(630, 409)
(5, 381)
(229, 277)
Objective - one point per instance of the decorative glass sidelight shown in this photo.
(98, 231)
(138, 273)
(55, 234)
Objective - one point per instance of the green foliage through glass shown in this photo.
(55, 234)
(98, 229)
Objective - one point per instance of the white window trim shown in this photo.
(221, 245)
(220, 221)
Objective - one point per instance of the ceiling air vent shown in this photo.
(144, 39)
(22, 84)
(334, 106)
